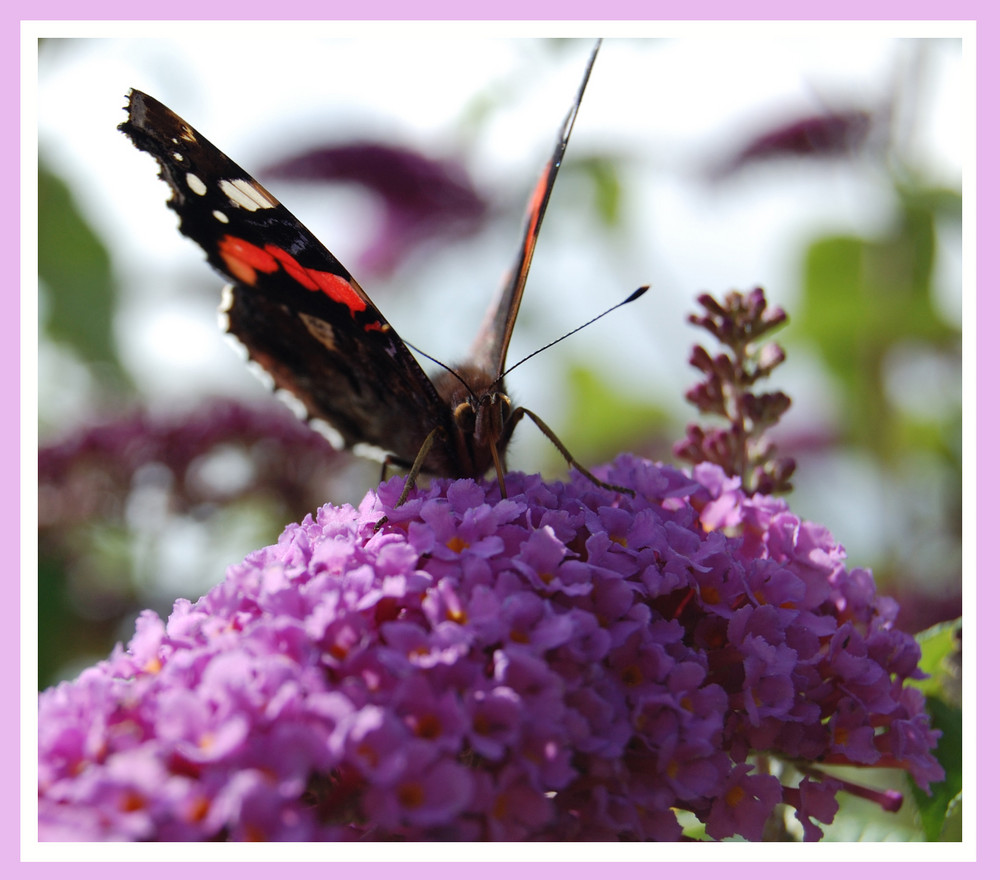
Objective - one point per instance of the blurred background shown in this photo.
(827, 171)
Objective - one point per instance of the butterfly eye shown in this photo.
(504, 402)
(465, 417)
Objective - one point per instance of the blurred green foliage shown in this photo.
(862, 297)
(604, 420)
(941, 647)
(75, 269)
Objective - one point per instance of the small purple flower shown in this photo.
(814, 799)
(563, 664)
(746, 803)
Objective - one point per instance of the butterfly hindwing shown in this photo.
(489, 350)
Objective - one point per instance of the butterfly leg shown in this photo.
(418, 463)
(414, 472)
(499, 468)
(520, 412)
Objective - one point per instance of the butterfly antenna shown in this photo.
(443, 366)
(632, 297)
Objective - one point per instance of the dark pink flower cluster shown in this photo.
(562, 664)
(423, 200)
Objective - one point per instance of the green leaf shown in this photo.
(75, 268)
(951, 828)
(68, 640)
(943, 203)
(938, 806)
(53, 614)
(938, 647)
(603, 420)
(862, 297)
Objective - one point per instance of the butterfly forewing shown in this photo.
(294, 306)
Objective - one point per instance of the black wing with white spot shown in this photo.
(294, 306)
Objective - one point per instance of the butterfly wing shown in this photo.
(293, 305)
(489, 352)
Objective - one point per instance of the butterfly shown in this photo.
(303, 317)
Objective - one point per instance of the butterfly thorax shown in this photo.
(480, 408)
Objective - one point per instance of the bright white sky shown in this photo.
(667, 107)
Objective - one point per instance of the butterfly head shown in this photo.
(482, 417)
(481, 411)
(478, 402)
(482, 420)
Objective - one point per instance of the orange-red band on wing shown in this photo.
(338, 289)
(244, 260)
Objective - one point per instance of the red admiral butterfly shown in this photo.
(307, 322)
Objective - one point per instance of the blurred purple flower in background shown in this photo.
(421, 199)
(821, 136)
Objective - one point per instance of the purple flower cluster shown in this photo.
(93, 472)
(562, 664)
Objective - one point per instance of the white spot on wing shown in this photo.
(196, 184)
(320, 426)
(218, 215)
(256, 370)
(328, 432)
(247, 195)
(225, 304)
(367, 450)
(297, 407)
